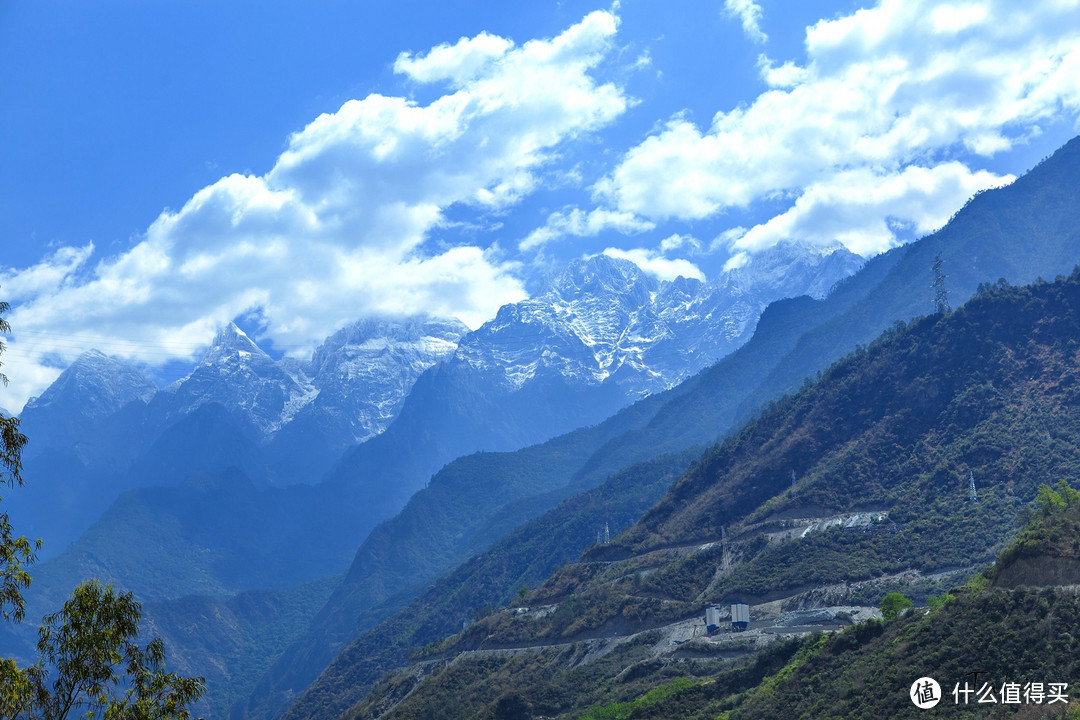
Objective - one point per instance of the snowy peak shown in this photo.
(374, 337)
(601, 276)
(232, 341)
(789, 269)
(353, 386)
(70, 410)
(95, 386)
(603, 319)
(364, 371)
(237, 374)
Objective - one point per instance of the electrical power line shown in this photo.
(48, 341)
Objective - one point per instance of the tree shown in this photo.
(893, 604)
(89, 662)
(16, 553)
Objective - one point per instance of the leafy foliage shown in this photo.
(893, 604)
(1052, 530)
(90, 664)
(16, 553)
(627, 710)
(89, 661)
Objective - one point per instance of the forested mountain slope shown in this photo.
(1019, 637)
(892, 434)
(1019, 232)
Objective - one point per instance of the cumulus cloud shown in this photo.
(655, 263)
(859, 207)
(578, 223)
(677, 241)
(888, 97)
(54, 271)
(337, 229)
(456, 63)
(661, 261)
(749, 14)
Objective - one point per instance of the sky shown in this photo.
(168, 167)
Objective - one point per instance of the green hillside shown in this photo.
(891, 433)
(794, 339)
(1027, 634)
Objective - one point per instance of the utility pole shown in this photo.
(941, 298)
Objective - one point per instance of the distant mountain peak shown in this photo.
(100, 383)
(231, 339)
(386, 331)
(599, 275)
(791, 268)
(603, 318)
(90, 355)
(364, 371)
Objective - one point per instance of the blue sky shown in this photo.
(170, 166)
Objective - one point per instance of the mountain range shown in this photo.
(103, 428)
(1021, 232)
(905, 467)
(602, 345)
(542, 365)
(218, 468)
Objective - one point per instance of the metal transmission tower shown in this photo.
(971, 486)
(941, 298)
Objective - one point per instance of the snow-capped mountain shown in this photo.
(599, 335)
(103, 427)
(361, 376)
(351, 389)
(363, 372)
(236, 373)
(91, 389)
(604, 320)
(97, 384)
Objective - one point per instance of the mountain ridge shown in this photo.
(883, 444)
(722, 394)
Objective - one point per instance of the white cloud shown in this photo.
(727, 238)
(337, 228)
(780, 76)
(578, 223)
(957, 18)
(677, 241)
(656, 264)
(53, 272)
(736, 261)
(749, 14)
(887, 95)
(458, 63)
(856, 207)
